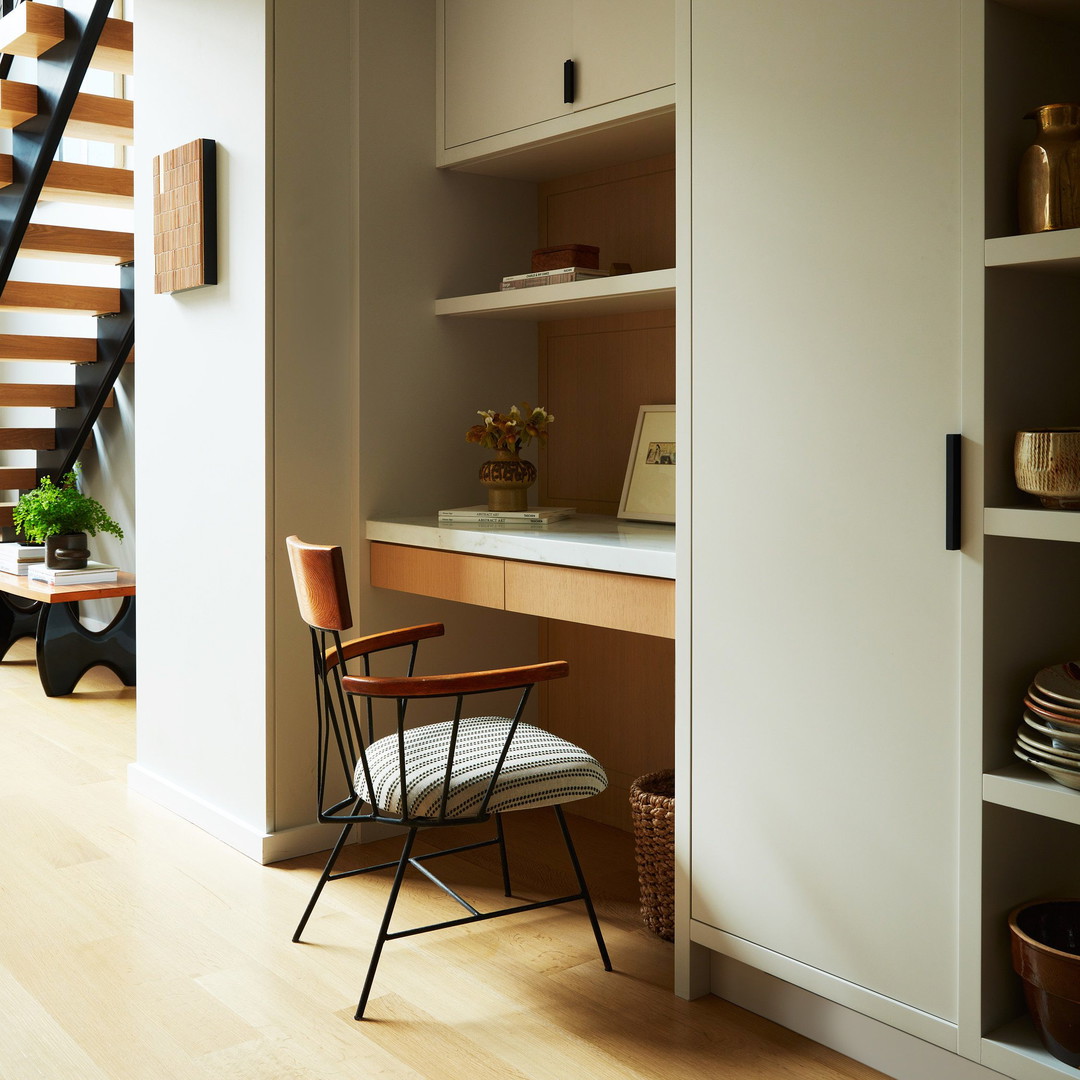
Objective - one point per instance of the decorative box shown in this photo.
(556, 258)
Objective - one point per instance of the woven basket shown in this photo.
(652, 805)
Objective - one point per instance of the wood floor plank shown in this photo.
(135, 945)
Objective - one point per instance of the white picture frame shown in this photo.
(648, 492)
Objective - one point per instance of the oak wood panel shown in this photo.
(23, 438)
(44, 395)
(628, 211)
(16, 479)
(60, 594)
(470, 579)
(72, 244)
(643, 605)
(103, 118)
(7, 170)
(114, 50)
(209, 991)
(44, 347)
(31, 29)
(594, 373)
(6, 511)
(66, 299)
(99, 185)
(619, 704)
(18, 103)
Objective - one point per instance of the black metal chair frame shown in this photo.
(342, 735)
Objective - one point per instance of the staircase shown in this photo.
(64, 43)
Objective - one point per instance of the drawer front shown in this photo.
(469, 579)
(642, 605)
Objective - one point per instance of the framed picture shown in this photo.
(648, 492)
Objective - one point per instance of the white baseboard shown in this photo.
(893, 1052)
(256, 844)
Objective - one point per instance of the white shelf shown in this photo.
(1017, 1051)
(651, 290)
(588, 541)
(1058, 250)
(1032, 523)
(1023, 787)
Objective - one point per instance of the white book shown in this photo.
(19, 569)
(15, 552)
(93, 572)
(549, 277)
(482, 513)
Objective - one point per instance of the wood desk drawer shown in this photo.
(470, 579)
(642, 605)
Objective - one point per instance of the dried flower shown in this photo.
(512, 431)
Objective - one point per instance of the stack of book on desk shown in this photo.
(18, 558)
(94, 573)
(481, 516)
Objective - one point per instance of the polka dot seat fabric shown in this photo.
(540, 769)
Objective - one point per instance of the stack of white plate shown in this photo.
(1049, 737)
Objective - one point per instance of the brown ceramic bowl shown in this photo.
(1046, 956)
(1047, 464)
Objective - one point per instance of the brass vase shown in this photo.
(1049, 187)
(508, 479)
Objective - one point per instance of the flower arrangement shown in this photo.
(512, 431)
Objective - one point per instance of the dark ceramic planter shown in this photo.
(1046, 956)
(67, 551)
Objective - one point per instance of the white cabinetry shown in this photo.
(825, 308)
(501, 74)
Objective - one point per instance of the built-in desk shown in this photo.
(588, 569)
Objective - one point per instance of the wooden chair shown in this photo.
(459, 771)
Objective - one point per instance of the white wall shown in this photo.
(201, 430)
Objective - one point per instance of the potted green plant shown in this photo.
(59, 516)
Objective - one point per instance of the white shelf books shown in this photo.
(94, 573)
(481, 516)
(17, 558)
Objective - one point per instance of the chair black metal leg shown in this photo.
(323, 880)
(584, 888)
(403, 862)
(502, 855)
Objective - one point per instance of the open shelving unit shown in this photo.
(1020, 365)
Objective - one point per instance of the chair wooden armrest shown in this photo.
(471, 682)
(388, 639)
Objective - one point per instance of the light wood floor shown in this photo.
(135, 947)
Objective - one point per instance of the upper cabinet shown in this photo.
(504, 88)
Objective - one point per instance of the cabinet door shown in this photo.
(503, 65)
(825, 652)
(622, 48)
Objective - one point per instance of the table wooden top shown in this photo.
(62, 594)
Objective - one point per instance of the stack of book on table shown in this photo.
(94, 573)
(549, 277)
(481, 516)
(18, 558)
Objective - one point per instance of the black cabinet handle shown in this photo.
(952, 492)
(568, 82)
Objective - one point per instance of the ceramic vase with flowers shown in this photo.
(508, 476)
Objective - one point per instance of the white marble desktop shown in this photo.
(589, 541)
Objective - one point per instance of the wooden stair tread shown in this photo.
(100, 185)
(16, 479)
(24, 438)
(47, 348)
(77, 245)
(18, 103)
(103, 118)
(67, 299)
(31, 29)
(114, 50)
(7, 511)
(37, 395)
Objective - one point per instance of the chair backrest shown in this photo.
(318, 572)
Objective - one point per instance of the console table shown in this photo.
(66, 649)
(589, 569)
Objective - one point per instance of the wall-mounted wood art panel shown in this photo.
(185, 217)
